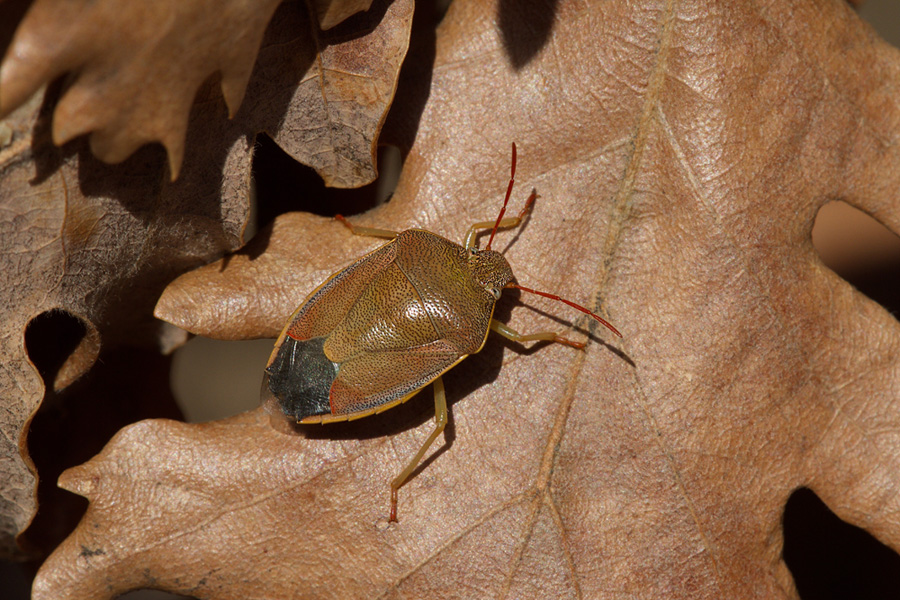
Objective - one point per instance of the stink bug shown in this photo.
(377, 332)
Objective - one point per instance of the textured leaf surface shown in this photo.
(137, 68)
(98, 243)
(681, 151)
(348, 77)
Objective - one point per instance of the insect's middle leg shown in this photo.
(440, 421)
(366, 231)
(549, 336)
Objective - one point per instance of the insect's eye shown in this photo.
(471, 251)
(495, 292)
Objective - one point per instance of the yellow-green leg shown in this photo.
(504, 223)
(367, 231)
(440, 421)
(549, 336)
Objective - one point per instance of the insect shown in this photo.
(377, 332)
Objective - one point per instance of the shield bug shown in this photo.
(377, 332)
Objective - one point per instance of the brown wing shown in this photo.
(328, 304)
(390, 327)
(298, 374)
(387, 377)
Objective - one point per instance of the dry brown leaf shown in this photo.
(330, 13)
(137, 68)
(99, 242)
(251, 293)
(348, 76)
(681, 152)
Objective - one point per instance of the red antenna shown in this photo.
(531, 198)
(569, 302)
(512, 180)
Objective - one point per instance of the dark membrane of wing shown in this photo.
(300, 378)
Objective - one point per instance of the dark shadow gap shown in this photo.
(124, 386)
(284, 185)
(833, 560)
(861, 250)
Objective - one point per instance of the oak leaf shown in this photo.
(137, 66)
(90, 245)
(682, 151)
(137, 69)
(347, 78)
(93, 245)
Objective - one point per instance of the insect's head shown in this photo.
(489, 269)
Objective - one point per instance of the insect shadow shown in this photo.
(526, 219)
(461, 382)
(513, 299)
(526, 28)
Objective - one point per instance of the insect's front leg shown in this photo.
(501, 224)
(367, 231)
(547, 336)
(440, 421)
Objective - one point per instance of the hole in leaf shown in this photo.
(61, 346)
(214, 379)
(831, 559)
(284, 185)
(861, 250)
(883, 16)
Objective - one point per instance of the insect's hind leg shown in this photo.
(440, 421)
(547, 336)
(366, 231)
